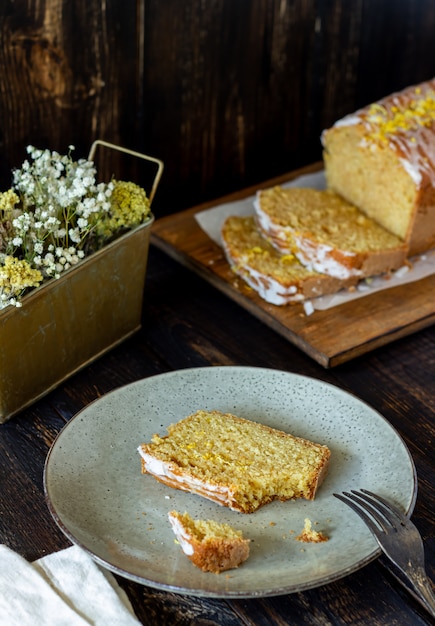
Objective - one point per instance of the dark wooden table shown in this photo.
(188, 323)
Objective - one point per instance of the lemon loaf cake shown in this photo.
(382, 159)
(278, 278)
(326, 233)
(211, 546)
(235, 462)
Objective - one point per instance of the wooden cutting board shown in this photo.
(330, 337)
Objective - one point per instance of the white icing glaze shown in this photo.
(349, 120)
(308, 307)
(163, 469)
(413, 171)
(269, 289)
(317, 257)
(183, 537)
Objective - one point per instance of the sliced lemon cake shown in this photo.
(278, 278)
(326, 233)
(235, 462)
(211, 546)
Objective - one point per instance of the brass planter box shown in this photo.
(69, 322)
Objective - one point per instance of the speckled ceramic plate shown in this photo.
(101, 501)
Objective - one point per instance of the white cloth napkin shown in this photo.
(66, 588)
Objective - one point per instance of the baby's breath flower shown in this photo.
(74, 235)
(49, 258)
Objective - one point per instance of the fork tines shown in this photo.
(369, 506)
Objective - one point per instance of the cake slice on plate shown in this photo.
(235, 462)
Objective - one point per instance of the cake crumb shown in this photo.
(308, 535)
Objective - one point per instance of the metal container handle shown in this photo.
(158, 162)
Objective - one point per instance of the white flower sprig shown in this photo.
(61, 203)
(56, 214)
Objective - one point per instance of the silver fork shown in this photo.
(398, 538)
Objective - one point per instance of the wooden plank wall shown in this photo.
(227, 92)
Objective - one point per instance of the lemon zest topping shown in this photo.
(419, 112)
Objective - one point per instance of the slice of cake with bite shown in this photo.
(235, 462)
(279, 279)
(211, 546)
(326, 233)
(382, 159)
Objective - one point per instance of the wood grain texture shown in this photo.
(226, 93)
(68, 76)
(250, 86)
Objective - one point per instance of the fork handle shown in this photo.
(423, 588)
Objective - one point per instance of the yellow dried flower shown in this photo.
(129, 207)
(17, 275)
(8, 200)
